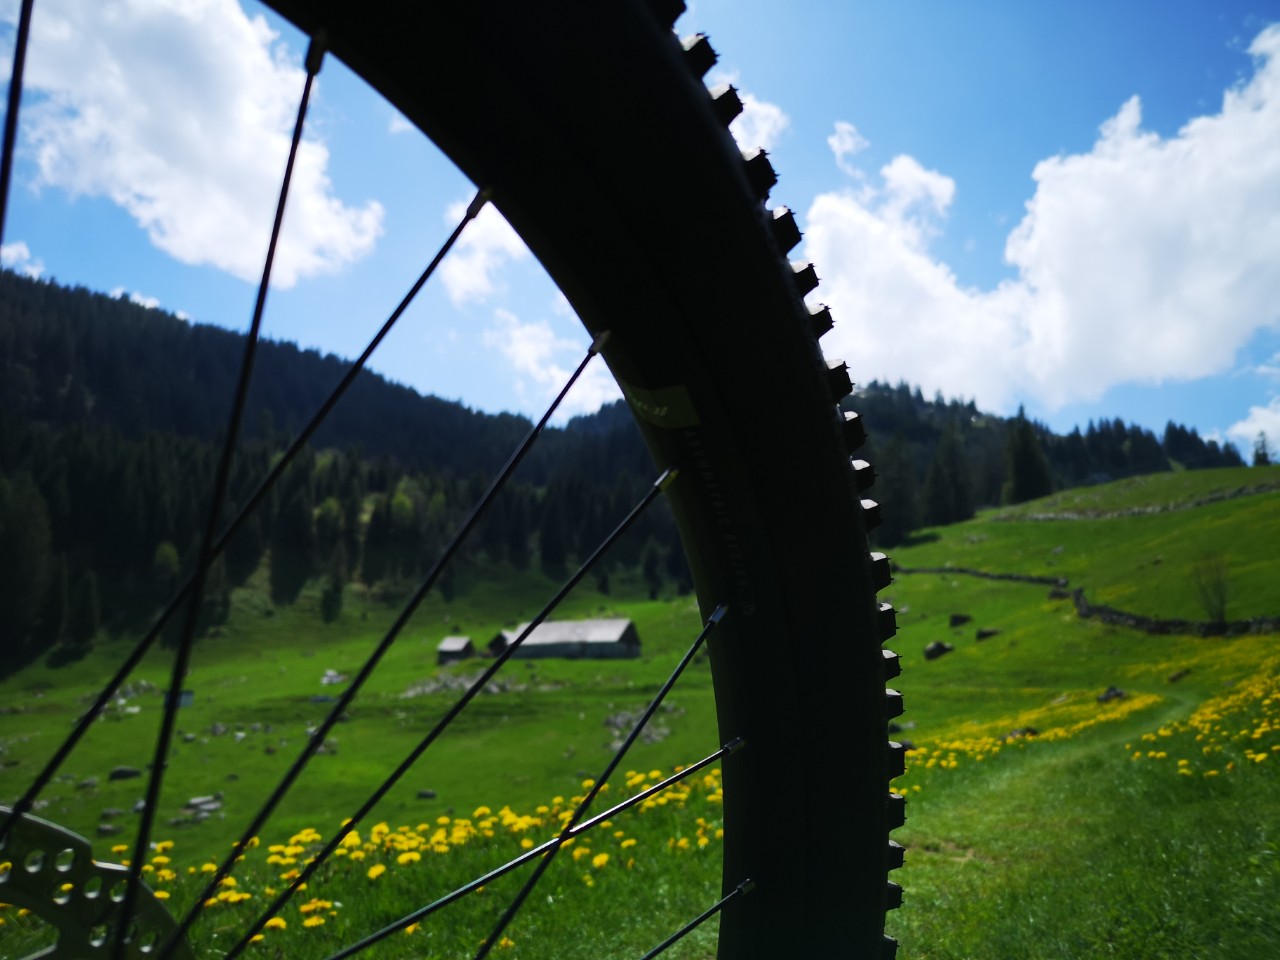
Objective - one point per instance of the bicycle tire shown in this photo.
(591, 127)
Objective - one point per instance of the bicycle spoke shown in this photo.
(745, 887)
(544, 864)
(533, 853)
(182, 658)
(11, 115)
(452, 714)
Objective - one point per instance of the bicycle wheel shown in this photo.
(592, 128)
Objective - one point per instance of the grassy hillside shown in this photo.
(1139, 827)
(1043, 822)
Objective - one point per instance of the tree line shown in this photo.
(938, 461)
(110, 415)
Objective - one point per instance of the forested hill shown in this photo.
(71, 356)
(110, 412)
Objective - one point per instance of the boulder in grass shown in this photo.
(124, 773)
(936, 649)
(1111, 693)
(986, 633)
(959, 620)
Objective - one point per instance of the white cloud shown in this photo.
(1146, 259)
(845, 143)
(543, 361)
(1259, 420)
(182, 113)
(17, 257)
(151, 303)
(399, 124)
(487, 244)
(760, 124)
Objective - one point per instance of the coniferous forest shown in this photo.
(110, 416)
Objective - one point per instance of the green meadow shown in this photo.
(1042, 821)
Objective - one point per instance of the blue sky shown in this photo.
(1075, 207)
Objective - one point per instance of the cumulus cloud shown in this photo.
(399, 124)
(760, 124)
(1259, 420)
(543, 361)
(151, 303)
(470, 272)
(17, 257)
(1145, 260)
(182, 113)
(845, 143)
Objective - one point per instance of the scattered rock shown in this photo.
(1021, 732)
(1179, 674)
(322, 698)
(110, 813)
(218, 729)
(333, 676)
(1057, 593)
(959, 620)
(188, 738)
(986, 633)
(240, 735)
(895, 727)
(88, 783)
(108, 829)
(124, 773)
(906, 744)
(426, 794)
(936, 649)
(1111, 693)
(139, 806)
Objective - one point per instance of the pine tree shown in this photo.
(1261, 452)
(947, 496)
(895, 490)
(1027, 475)
(292, 547)
(26, 558)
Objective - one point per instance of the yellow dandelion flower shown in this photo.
(276, 923)
(412, 928)
(599, 860)
(409, 856)
(161, 894)
(629, 842)
(377, 870)
(313, 921)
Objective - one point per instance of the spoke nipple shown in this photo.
(718, 614)
(733, 746)
(598, 343)
(316, 49)
(477, 204)
(668, 477)
(746, 886)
